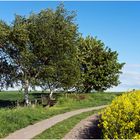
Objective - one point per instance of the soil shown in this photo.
(86, 129)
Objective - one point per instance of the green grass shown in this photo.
(15, 95)
(11, 95)
(9, 98)
(14, 119)
(86, 100)
(59, 130)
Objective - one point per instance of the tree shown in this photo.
(17, 53)
(6, 74)
(7, 70)
(100, 68)
(42, 48)
(54, 35)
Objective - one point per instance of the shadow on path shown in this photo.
(91, 131)
(86, 129)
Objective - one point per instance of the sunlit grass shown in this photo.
(16, 118)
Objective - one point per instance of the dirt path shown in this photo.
(86, 129)
(34, 130)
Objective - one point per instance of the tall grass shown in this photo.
(76, 101)
(14, 119)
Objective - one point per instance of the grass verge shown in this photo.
(17, 118)
(59, 130)
(77, 101)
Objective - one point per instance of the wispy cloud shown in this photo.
(130, 79)
(133, 65)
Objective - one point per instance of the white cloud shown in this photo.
(130, 79)
(133, 65)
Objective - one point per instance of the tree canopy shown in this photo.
(43, 49)
(46, 49)
(100, 68)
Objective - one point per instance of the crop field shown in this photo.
(121, 120)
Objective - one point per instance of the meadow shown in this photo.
(12, 119)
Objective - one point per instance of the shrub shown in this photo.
(121, 120)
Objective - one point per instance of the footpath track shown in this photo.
(85, 129)
(31, 131)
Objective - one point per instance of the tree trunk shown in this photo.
(51, 94)
(26, 93)
(87, 89)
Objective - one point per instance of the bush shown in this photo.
(121, 120)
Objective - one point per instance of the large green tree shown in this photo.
(54, 35)
(100, 68)
(42, 48)
(17, 56)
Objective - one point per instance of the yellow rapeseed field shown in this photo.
(121, 120)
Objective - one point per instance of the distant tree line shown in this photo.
(47, 50)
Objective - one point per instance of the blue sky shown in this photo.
(117, 24)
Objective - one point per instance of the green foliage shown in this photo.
(45, 50)
(54, 35)
(42, 49)
(100, 68)
(6, 70)
(121, 120)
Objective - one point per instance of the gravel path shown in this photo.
(86, 129)
(35, 129)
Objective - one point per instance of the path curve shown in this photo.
(85, 129)
(33, 130)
